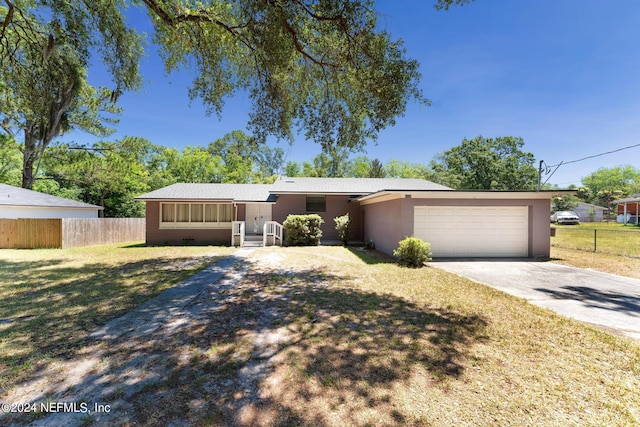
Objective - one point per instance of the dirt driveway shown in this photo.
(590, 296)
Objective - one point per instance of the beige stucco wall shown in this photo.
(390, 221)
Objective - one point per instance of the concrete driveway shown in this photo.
(586, 295)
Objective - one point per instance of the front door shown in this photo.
(255, 216)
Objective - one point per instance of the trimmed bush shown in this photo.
(413, 252)
(302, 230)
(342, 226)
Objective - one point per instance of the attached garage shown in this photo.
(473, 231)
(462, 223)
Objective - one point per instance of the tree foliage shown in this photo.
(10, 164)
(623, 180)
(402, 169)
(110, 175)
(376, 169)
(446, 4)
(44, 91)
(487, 164)
(566, 202)
(323, 67)
(83, 27)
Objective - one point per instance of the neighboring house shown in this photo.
(590, 213)
(382, 210)
(16, 202)
(628, 209)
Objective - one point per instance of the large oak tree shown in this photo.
(322, 67)
(44, 54)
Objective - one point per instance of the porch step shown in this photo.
(252, 241)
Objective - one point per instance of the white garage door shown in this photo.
(473, 231)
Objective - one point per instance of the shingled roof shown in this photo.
(212, 192)
(284, 185)
(359, 186)
(16, 196)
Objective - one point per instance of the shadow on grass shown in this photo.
(135, 245)
(210, 362)
(184, 243)
(214, 361)
(47, 308)
(371, 256)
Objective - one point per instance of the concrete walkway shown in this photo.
(148, 317)
(113, 366)
(586, 295)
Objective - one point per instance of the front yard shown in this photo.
(327, 336)
(51, 298)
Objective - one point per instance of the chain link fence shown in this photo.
(615, 242)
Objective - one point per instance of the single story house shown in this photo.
(382, 210)
(590, 213)
(628, 209)
(16, 202)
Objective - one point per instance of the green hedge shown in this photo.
(302, 230)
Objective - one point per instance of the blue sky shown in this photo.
(561, 74)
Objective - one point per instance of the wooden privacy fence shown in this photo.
(30, 233)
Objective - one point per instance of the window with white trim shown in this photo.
(196, 215)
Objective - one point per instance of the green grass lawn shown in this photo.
(370, 343)
(51, 298)
(363, 342)
(605, 238)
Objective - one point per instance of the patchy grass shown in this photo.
(357, 340)
(605, 238)
(51, 298)
(614, 264)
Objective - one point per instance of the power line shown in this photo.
(594, 156)
(546, 169)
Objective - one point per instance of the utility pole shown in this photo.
(540, 175)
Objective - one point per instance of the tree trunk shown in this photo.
(29, 158)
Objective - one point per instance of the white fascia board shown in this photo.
(327, 193)
(253, 202)
(382, 196)
(182, 200)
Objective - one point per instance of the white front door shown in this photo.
(255, 216)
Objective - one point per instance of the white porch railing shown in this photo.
(273, 230)
(237, 233)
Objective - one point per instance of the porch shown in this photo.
(272, 234)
